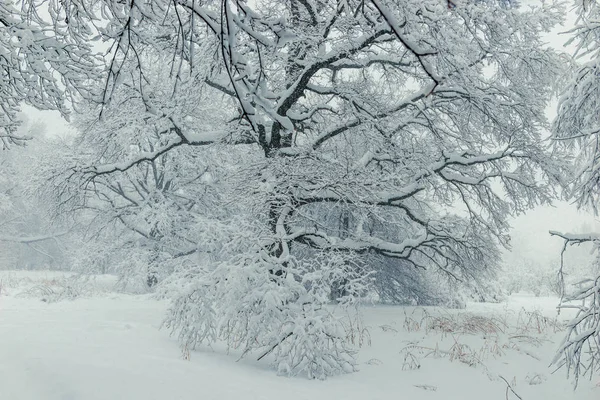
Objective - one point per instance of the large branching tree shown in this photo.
(413, 103)
(576, 128)
(408, 131)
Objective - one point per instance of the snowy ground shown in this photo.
(108, 347)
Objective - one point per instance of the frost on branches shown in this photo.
(45, 62)
(347, 145)
(160, 209)
(576, 128)
(580, 350)
(286, 318)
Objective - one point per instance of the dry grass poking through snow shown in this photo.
(472, 339)
(57, 289)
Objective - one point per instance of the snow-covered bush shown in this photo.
(58, 288)
(286, 318)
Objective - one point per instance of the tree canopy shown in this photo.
(268, 157)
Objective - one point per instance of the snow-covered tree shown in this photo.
(156, 207)
(45, 61)
(27, 237)
(356, 130)
(576, 127)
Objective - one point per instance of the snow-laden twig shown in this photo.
(579, 351)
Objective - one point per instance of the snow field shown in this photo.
(106, 346)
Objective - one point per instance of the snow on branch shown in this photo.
(414, 48)
(43, 64)
(580, 350)
(575, 238)
(576, 128)
(126, 165)
(571, 239)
